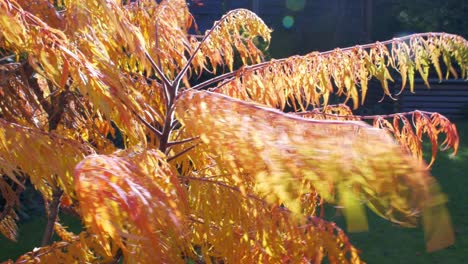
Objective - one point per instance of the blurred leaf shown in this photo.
(282, 152)
(134, 198)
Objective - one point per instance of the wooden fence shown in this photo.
(449, 97)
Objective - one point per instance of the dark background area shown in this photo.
(302, 26)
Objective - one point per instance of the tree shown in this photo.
(216, 170)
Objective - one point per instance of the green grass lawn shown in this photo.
(30, 236)
(384, 243)
(387, 243)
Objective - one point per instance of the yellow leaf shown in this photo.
(353, 208)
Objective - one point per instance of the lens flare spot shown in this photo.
(288, 21)
(295, 5)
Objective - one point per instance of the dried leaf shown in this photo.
(8, 226)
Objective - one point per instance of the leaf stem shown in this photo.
(174, 143)
(181, 153)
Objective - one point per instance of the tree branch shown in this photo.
(158, 70)
(167, 128)
(167, 88)
(52, 212)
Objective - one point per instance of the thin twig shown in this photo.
(166, 87)
(158, 70)
(181, 153)
(174, 143)
(197, 36)
(148, 125)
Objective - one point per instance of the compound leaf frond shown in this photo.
(310, 80)
(281, 152)
(133, 197)
(238, 29)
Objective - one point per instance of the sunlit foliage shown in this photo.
(102, 111)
